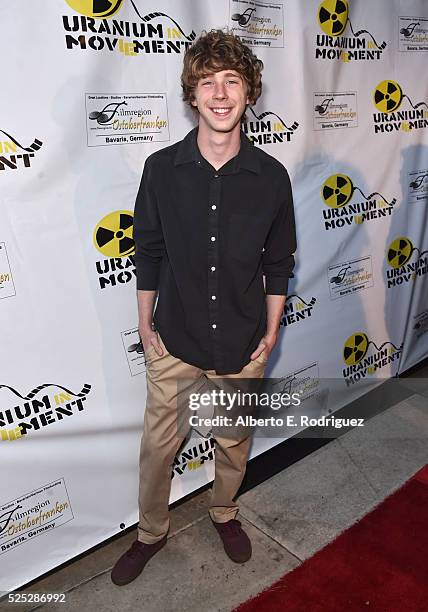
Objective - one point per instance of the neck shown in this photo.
(218, 147)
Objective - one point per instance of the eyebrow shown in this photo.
(228, 74)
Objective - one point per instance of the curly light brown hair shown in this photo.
(214, 51)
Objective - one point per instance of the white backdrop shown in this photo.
(90, 89)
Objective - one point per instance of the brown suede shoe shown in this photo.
(235, 541)
(132, 562)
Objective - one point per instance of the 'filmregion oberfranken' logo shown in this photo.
(361, 362)
(413, 34)
(113, 239)
(333, 17)
(93, 29)
(33, 513)
(126, 119)
(335, 110)
(399, 253)
(26, 414)
(296, 309)
(387, 98)
(347, 277)
(418, 186)
(258, 24)
(337, 192)
(13, 155)
(268, 128)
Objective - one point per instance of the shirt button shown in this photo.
(212, 268)
(213, 206)
(213, 325)
(215, 175)
(212, 238)
(213, 297)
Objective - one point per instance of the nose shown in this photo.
(219, 91)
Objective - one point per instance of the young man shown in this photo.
(213, 215)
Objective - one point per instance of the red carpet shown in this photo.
(378, 564)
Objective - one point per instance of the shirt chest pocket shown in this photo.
(245, 237)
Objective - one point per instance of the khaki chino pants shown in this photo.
(160, 442)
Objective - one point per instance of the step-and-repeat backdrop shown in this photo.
(89, 90)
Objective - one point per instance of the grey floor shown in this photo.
(288, 517)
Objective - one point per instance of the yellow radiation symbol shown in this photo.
(355, 348)
(95, 8)
(113, 234)
(337, 190)
(332, 16)
(387, 96)
(399, 252)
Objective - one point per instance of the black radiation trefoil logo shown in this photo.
(399, 252)
(333, 16)
(338, 190)
(388, 96)
(355, 348)
(243, 19)
(323, 107)
(107, 114)
(408, 32)
(113, 234)
(103, 9)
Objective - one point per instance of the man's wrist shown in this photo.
(271, 334)
(145, 328)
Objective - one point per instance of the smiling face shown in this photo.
(221, 98)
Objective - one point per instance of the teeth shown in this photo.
(221, 111)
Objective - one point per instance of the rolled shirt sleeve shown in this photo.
(148, 234)
(278, 259)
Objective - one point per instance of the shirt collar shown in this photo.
(188, 151)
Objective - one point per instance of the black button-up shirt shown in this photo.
(204, 238)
